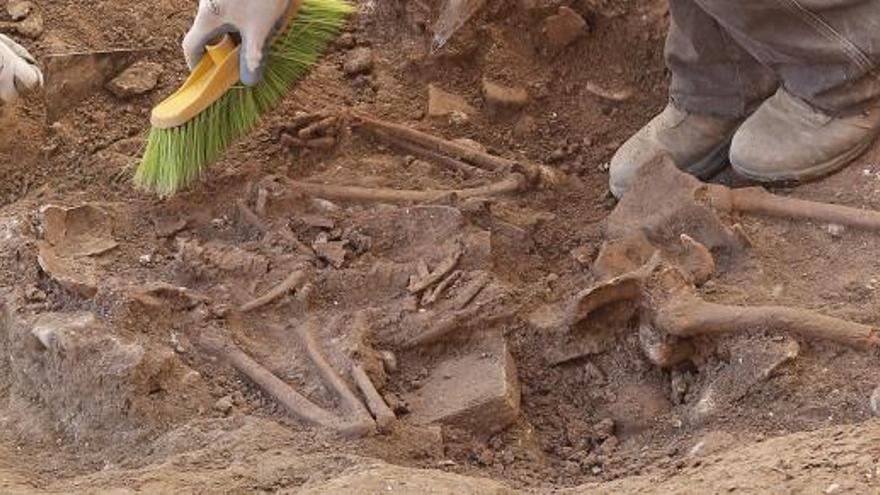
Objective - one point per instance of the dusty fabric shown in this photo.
(726, 56)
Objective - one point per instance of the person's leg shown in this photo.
(826, 53)
(715, 83)
(711, 73)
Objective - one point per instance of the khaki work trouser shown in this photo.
(726, 56)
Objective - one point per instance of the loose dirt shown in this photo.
(107, 293)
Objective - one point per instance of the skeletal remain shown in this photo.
(471, 291)
(297, 405)
(669, 303)
(322, 128)
(433, 156)
(511, 184)
(455, 150)
(383, 414)
(250, 217)
(349, 401)
(443, 269)
(293, 281)
(431, 297)
(757, 201)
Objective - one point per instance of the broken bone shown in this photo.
(511, 184)
(668, 302)
(350, 402)
(297, 405)
(294, 280)
(381, 412)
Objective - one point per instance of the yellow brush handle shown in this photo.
(216, 73)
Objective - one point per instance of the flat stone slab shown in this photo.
(477, 391)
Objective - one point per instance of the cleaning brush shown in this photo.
(193, 127)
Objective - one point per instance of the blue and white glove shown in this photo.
(256, 21)
(18, 70)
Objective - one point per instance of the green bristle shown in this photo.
(176, 157)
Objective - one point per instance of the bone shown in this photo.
(666, 294)
(471, 291)
(250, 217)
(457, 151)
(290, 283)
(443, 269)
(297, 405)
(349, 401)
(433, 156)
(691, 316)
(757, 201)
(431, 297)
(512, 184)
(436, 144)
(318, 129)
(384, 415)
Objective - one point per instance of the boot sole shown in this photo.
(816, 172)
(713, 163)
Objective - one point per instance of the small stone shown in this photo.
(832, 488)
(332, 252)
(146, 259)
(35, 295)
(875, 402)
(358, 61)
(346, 41)
(19, 9)
(485, 457)
(140, 78)
(32, 26)
(835, 230)
(558, 155)
(564, 28)
(604, 429)
(444, 104)
(396, 404)
(503, 101)
(584, 254)
(679, 383)
(224, 405)
(525, 127)
(389, 361)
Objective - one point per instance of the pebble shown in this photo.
(875, 402)
(19, 9)
(389, 361)
(563, 28)
(835, 230)
(140, 78)
(358, 61)
(224, 405)
(832, 488)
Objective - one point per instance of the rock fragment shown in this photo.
(442, 104)
(140, 78)
(358, 61)
(564, 28)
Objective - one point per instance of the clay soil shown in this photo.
(183, 421)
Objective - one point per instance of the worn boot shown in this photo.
(697, 143)
(788, 140)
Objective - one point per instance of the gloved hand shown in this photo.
(256, 21)
(18, 70)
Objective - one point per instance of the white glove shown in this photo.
(256, 21)
(18, 70)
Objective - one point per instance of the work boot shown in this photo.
(698, 144)
(787, 140)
